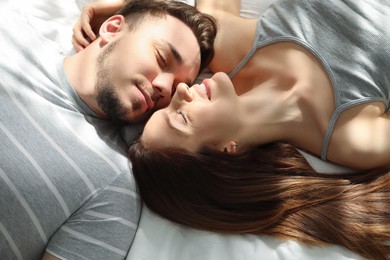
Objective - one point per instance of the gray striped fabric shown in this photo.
(65, 182)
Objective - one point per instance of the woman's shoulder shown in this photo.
(361, 137)
(234, 40)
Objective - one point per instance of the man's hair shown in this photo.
(202, 25)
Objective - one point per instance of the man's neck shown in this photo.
(80, 69)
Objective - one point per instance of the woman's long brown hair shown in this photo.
(271, 190)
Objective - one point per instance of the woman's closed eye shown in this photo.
(183, 116)
(178, 121)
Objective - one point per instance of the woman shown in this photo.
(268, 189)
(315, 83)
(213, 159)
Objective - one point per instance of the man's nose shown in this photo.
(163, 86)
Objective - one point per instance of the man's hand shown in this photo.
(91, 18)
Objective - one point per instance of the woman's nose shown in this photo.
(183, 92)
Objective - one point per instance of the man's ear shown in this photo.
(111, 27)
(231, 147)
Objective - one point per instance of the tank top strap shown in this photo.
(250, 53)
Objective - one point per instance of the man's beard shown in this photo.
(107, 99)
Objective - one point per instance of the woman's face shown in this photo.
(204, 115)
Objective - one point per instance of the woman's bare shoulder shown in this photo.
(361, 137)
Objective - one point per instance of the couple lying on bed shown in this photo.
(308, 74)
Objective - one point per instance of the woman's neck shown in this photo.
(287, 96)
(270, 113)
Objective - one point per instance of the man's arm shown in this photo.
(235, 34)
(91, 17)
(211, 6)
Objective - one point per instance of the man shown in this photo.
(139, 89)
(65, 185)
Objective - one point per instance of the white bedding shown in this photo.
(156, 238)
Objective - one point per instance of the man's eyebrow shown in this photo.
(178, 58)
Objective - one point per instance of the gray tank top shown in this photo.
(349, 37)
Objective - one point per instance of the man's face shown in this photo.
(138, 73)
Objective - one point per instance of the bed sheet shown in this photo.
(157, 238)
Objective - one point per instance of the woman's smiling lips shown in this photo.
(205, 86)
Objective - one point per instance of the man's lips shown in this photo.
(148, 99)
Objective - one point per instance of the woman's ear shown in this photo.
(111, 27)
(231, 147)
